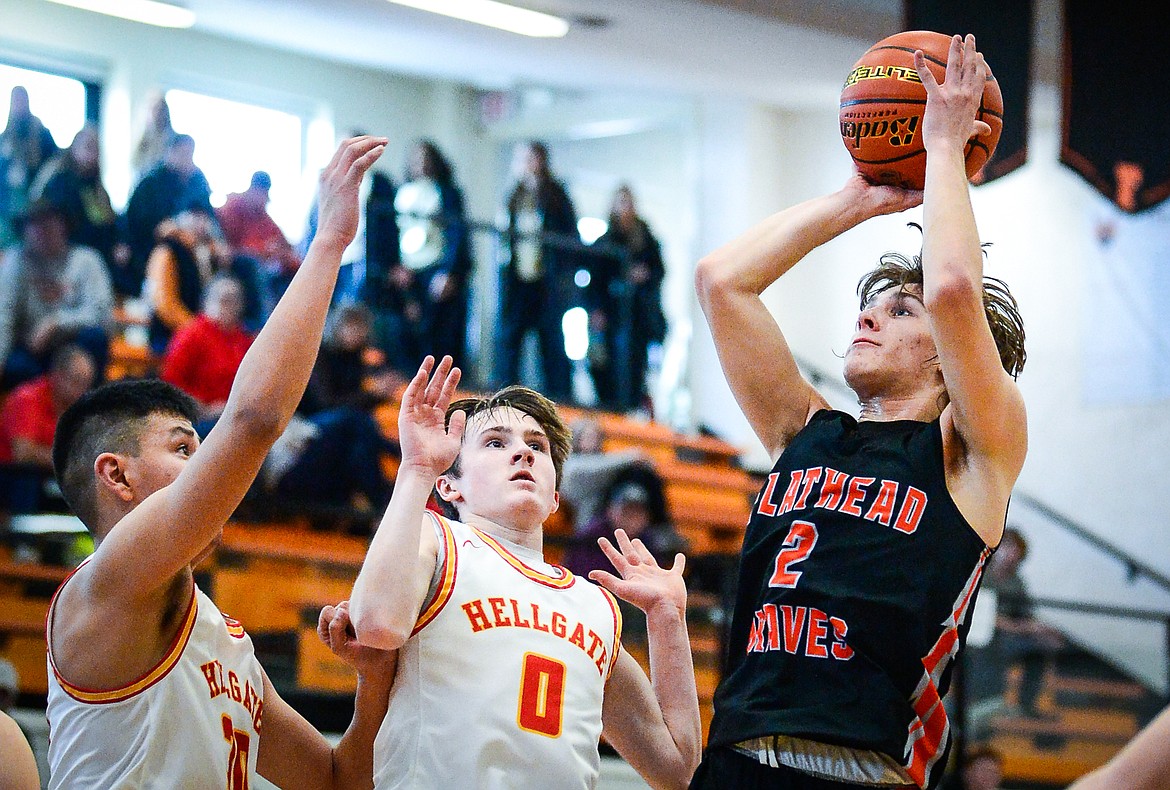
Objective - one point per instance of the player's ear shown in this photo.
(446, 487)
(110, 471)
(556, 501)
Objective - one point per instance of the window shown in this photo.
(233, 140)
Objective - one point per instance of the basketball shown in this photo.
(882, 105)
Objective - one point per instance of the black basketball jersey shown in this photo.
(857, 577)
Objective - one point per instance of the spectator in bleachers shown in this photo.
(28, 418)
(384, 289)
(625, 305)
(72, 180)
(51, 292)
(203, 356)
(250, 230)
(25, 146)
(331, 454)
(187, 256)
(174, 185)
(982, 769)
(1020, 638)
(537, 285)
(634, 508)
(590, 471)
(435, 255)
(156, 134)
(349, 370)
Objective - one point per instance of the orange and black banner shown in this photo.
(1003, 33)
(1116, 108)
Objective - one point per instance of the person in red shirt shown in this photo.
(250, 230)
(27, 420)
(203, 357)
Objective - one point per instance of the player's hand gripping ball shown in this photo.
(882, 105)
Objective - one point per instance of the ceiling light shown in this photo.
(150, 12)
(495, 14)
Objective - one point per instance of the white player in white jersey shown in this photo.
(510, 669)
(150, 685)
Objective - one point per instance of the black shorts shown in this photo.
(724, 768)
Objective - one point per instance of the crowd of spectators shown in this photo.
(202, 281)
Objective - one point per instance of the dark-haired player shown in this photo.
(511, 668)
(149, 684)
(865, 548)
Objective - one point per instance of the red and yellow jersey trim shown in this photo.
(617, 629)
(564, 581)
(447, 574)
(151, 677)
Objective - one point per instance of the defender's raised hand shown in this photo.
(428, 443)
(643, 583)
(337, 200)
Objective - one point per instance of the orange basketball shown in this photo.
(882, 105)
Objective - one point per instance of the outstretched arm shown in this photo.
(294, 754)
(986, 410)
(132, 563)
(653, 724)
(393, 582)
(755, 357)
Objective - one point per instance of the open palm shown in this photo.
(643, 583)
(427, 441)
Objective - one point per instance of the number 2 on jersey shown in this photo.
(542, 695)
(797, 546)
(237, 772)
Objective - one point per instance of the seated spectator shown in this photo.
(188, 255)
(28, 419)
(349, 370)
(51, 293)
(250, 230)
(982, 769)
(173, 186)
(329, 460)
(72, 181)
(203, 357)
(1019, 638)
(631, 507)
(590, 471)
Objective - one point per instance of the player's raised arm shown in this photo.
(156, 539)
(655, 724)
(986, 407)
(393, 582)
(1144, 763)
(755, 357)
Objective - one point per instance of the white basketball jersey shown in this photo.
(501, 683)
(191, 722)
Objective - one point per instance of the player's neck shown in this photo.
(924, 407)
(530, 536)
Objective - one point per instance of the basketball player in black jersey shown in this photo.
(865, 548)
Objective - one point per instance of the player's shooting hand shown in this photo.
(879, 199)
(643, 583)
(337, 198)
(951, 106)
(336, 631)
(428, 443)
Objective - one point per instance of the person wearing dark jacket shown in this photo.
(625, 305)
(537, 279)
